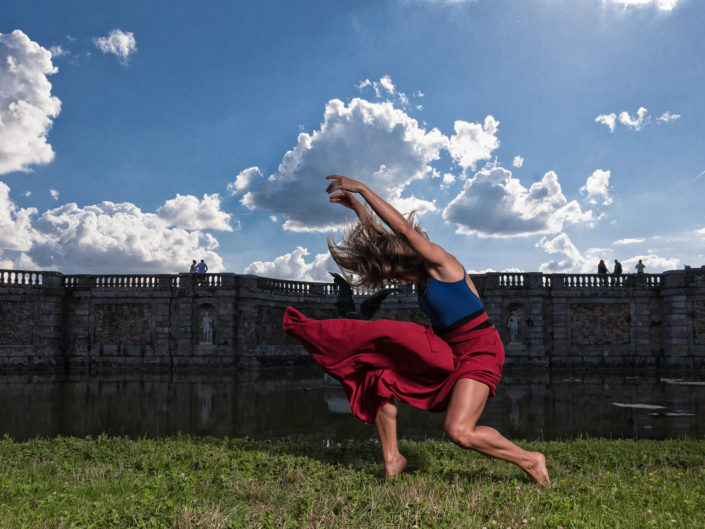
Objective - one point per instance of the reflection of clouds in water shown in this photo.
(271, 403)
(337, 404)
(681, 382)
(640, 406)
(514, 414)
(330, 381)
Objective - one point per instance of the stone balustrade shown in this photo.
(148, 281)
(224, 320)
(285, 286)
(511, 280)
(20, 277)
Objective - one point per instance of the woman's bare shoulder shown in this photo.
(447, 267)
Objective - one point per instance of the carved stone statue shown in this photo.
(513, 326)
(207, 329)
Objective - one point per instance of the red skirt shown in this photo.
(377, 361)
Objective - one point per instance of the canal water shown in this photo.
(304, 404)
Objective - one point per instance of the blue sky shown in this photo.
(529, 134)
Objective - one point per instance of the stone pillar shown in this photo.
(228, 280)
(164, 280)
(52, 279)
(245, 337)
(534, 324)
(675, 318)
(640, 323)
(77, 340)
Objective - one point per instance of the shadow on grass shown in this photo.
(443, 462)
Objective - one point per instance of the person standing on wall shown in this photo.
(640, 267)
(602, 267)
(453, 366)
(602, 271)
(201, 269)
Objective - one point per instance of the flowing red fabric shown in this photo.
(377, 361)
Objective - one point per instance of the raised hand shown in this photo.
(343, 183)
(346, 199)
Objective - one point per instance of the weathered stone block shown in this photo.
(129, 323)
(593, 323)
(16, 322)
(699, 322)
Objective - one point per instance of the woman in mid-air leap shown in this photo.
(454, 366)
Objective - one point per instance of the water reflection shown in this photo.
(302, 403)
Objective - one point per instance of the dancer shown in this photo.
(453, 367)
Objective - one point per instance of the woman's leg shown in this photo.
(466, 405)
(386, 423)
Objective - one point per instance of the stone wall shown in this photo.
(229, 321)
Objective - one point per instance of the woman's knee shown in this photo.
(388, 410)
(460, 433)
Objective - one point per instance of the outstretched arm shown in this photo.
(434, 256)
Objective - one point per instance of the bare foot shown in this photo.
(395, 467)
(537, 470)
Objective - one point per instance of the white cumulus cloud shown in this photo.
(187, 211)
(494, 204)
(473, 142)
(54, 194)
(637, 122)
(610, 120)
(518, 162)
(117, 238)
(293, 266)
(575, 261)
(385, 85)
(15, 223)
(100, 238)
(371, 141)
(561, 244)
(448, 179)
(26, 104)
(244, 179)
(117, 42)
(664, 5)
(597, 188)
(622, 242)
(655, 264)
(667, 117)
(58, 51)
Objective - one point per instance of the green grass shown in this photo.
(191, 482)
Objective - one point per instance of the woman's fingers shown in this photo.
(337, 183)
(343, 183)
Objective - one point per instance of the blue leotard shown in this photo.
(447, 303)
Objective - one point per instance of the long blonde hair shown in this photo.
(369, 254)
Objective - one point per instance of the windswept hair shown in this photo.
(369, 254)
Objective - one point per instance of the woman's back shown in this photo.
(445, 303)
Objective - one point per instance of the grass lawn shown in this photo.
(188, 482)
